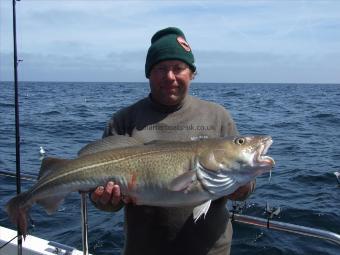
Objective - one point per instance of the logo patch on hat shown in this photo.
(183, 43)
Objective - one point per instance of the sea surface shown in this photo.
(303, 119)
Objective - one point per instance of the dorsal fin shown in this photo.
(109, 143)
(49, 165)
(160, 142)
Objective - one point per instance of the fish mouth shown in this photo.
(260, 157)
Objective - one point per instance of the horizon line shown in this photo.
(143, 82)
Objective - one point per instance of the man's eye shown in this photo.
(179, 69)
(161, 69)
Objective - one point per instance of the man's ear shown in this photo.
(193, 74)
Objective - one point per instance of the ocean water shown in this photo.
(303, 119)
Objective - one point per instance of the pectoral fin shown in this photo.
(201, 209)
(183, 181)
(209, 159)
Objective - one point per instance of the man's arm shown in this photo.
(242, 193)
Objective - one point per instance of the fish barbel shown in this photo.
(159, 173)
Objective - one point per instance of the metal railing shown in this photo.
(286, 227)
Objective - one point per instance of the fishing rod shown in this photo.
(17, 146)
(17, 130)
(25, 177)
(235, 217)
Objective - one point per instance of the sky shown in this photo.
(232, 41)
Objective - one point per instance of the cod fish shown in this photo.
(159, 173)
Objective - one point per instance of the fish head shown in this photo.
(234, 161)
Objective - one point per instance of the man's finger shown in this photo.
(97, 193)
(105, 198)
(116, 196)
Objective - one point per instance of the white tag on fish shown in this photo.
(200, 210)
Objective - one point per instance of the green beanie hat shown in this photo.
(169, 44)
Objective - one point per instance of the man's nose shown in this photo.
(170, 74)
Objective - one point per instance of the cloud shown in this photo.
(122, 66)
(109, 39)
(213, 66)
(266, 67)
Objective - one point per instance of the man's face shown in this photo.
(169, 81)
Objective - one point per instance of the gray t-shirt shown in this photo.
(157, 230)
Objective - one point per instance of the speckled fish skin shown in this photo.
(160, 173)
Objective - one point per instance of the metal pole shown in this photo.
(17, 133)
(287, 227)
(84, 222)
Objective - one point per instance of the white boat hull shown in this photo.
(32, 245)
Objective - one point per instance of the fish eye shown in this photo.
(240, 141)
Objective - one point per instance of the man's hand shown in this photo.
(242, 193)
(107, 197)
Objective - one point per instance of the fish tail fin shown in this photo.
(17, 209)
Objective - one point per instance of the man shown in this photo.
(169, 113)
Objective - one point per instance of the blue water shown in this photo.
(303, 120)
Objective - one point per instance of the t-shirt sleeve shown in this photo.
(228, 126)
(116, 125)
